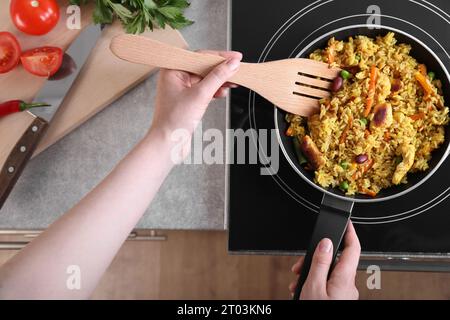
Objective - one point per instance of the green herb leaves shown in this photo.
(137, 15)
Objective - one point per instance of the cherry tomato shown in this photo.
(35, 17)
(9, 52)
(43, 62)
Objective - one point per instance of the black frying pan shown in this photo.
(336, 208)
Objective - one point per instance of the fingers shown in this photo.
(194, 79)
(298, 265)
(230, 85)
(342, 281)
(320, 266)
(223, 90)
(293, 285)
(219, 76)
(345, 269)
(296, 268)
(225, 54)
(221, 93)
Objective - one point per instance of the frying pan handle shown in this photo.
(331, 223)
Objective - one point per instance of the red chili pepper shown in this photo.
(14, 106)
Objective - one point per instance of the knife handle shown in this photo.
(19, 156)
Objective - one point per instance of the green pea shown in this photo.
(431, 75)
(344, 165)
(345, 74)
(357, 57)
(363, 121)
(344, 186)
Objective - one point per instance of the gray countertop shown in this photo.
(192, 197)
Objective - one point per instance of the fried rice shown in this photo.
(384, 122)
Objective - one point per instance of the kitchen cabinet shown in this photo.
(18, 239)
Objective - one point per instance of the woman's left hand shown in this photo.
(341, 284)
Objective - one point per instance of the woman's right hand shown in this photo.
(341, 284)
(182, 98)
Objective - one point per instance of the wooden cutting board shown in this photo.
(103, 79)
(19, 84)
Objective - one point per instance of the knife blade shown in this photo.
(53, 92)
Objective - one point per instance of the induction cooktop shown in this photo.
(275, 213)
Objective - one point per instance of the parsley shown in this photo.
(137, 15)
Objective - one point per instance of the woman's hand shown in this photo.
(118, 202)
(182, 98)
(341, 285)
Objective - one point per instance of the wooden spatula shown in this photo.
(294, 85)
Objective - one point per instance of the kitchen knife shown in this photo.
(53, 92)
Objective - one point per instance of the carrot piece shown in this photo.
(330, 54)
(363, 169)
(290, 132)
(422, 69)
(366, 133)
(424, 83)
(417, 116)
(345, 132)
(387, 136)
(371, 93)
(368, 165)
(368, 192)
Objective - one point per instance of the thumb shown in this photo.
(218, 76)
(320, 264)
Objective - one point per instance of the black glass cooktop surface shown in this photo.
(276, 213)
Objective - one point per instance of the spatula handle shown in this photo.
(150, 52)
(146, 51)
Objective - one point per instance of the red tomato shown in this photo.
(43, 62)
(35, 17)
(9, 52)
